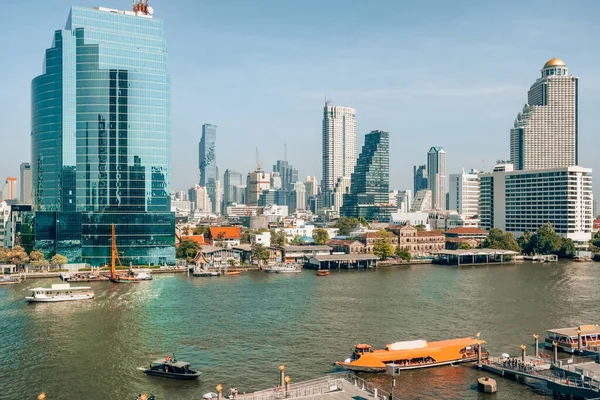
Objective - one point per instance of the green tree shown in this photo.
(59, 259)
(345, 225)
(567, 248)
(498, 239)
(383, 248)
(403, 254)
(420, 227)
(363, 222)
(36, 255)
(297, 239)
(200, 230)
(18, 256)
(260, 253)
(245, 239)
(278, 238)
(187, 250)
(320, 236)
(464, 246)
(546, 241)
(4, 255)
(39, 263)
(595, 242)
(525, 242)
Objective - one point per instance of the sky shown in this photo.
(432, 73)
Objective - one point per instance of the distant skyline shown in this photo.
(450, 75)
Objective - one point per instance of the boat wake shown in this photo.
(141, 368)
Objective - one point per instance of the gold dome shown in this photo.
(555, 62)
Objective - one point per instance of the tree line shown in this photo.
(544, 241)
(36, 259)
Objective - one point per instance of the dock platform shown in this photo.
(577, 378)
(342, 386)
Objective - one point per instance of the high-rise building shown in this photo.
(341, 188)
(199, 196)
(207, 161)
(545, 133)
(25, 181)
(297, 200)
(256, 182)
(231, 180)
(519, 201)
(436, 177)
(312, 186)
(101, 139)
(420, 178)
(464, 193)
(339, 145)
(404, 200)
(370, 181)
(287, 173)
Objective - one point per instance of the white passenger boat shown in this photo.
(60, 292)
(567, 338)
(283, 268)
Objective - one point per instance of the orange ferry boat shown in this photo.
(414, 354)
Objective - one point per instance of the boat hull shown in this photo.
(374, 370)
(57, 299)
(170, 375)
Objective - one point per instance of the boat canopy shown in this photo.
(407, 345)
(175, 364)
(56, 287)
(362, 346)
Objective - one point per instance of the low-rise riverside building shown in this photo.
(346, 246)
(419, 243)
(301, 254)
(342, 261)
(218, 257)
(368, 239)
(456, 237)
(227, 236)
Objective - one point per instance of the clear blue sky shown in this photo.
(431, 73)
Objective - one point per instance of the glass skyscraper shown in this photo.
(209, 172)
(101, 140)
(370, 181)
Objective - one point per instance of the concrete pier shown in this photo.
(342, 386)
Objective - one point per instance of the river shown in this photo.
(237, 330)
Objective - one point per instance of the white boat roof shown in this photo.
(585, 330)
(61, 286)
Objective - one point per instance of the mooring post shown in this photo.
(555, 352)
(287, 386)
(479, 355)
(282, 375)
(537, 344)
(579, 340)
(523, 349)
(219, 391)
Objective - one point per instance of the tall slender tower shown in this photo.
(545, 133)
(339, 146)
(207, 159)
(101, 139)
(436, 170)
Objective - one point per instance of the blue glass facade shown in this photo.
(100, 138)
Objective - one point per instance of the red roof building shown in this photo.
(224, 235)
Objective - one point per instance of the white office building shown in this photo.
(436, 169)
(545, 133)
(342, 187)
(464, 193)
(339, 145)
(519, 201)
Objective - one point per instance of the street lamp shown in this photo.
(392, 370)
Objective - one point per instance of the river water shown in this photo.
(238, 330)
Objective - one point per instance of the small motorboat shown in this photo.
(171, 368)
(10, 280)
(210, 396)
(323, 272)
(205, 272)
(284, 268)
(232, 273)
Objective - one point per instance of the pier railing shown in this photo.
(327, 384)
(367, 386)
